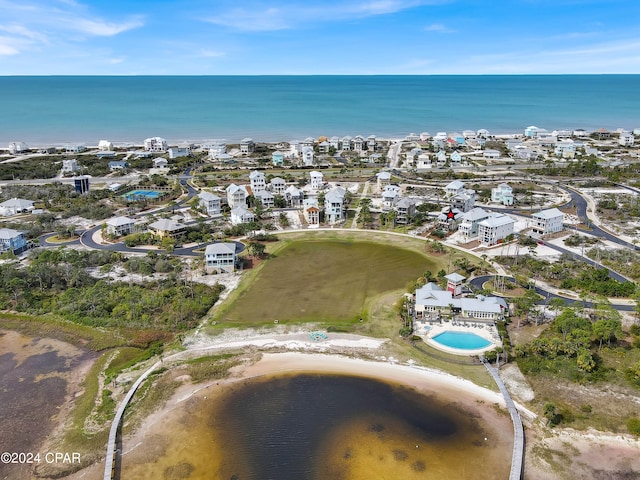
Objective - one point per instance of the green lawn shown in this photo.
(326, 281)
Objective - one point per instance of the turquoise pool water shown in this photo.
(461, 340)
(142, 194)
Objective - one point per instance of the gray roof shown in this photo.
(119, 221)
(9, 233)
(549, 213)
(207, 196)
(20, 203)
(454, 277)
(497, 220)
(476, 213)
(166, 225)
(220, 247)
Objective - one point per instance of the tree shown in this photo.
(607, 329)
(585, 361)
(556, 304)
(256, 249)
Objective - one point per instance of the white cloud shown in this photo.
(210, 54)
(6, 50)
(439, 28)
(105, 29)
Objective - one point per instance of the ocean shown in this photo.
(85, 109)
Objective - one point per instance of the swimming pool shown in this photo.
(142, 195)
(461, 340)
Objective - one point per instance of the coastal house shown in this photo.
(405, 209)
(491, 154)
(565, 149)
(12, 241)
(74, 148)
(431, 301)
(106, 154)
(307, 156)
(531, 131)
(118, 165)
(372, 143)
(210, 202)
(105, 146)
(495, 229)
(236, 196)
(469, 134)
(334, 205)
(383, 179)
(454, 188)
(483, 133)
(15, 206)
(317, 180)
(449, 218)
(278, 186)
(18, 148)
(155, 144)
(547, 221)
(424, 162)
(216, 150)
(258, 181)
(247, 146)
(464, 201)
(626, 139)
(455, 158)
(441, 158)
(311, 211)
(220, 257)
(375, 158)
(468, 227)
(358, 144)
(345, 143)
(69, 166)
(160, 163)
(178, 152)
(390, 195)
(503, 194)
(241, 215)
(277, 158)
(335, 142)
(166, 227)
(266, 198)
(424, 136)
(119, 226)
(324, 146)
(293, 196)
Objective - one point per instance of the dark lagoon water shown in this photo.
(320, 427)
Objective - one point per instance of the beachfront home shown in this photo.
(258, 182)
(220, 257)
(210, 202)
(431, 301)
(15, 206)
(495, 229)
(237, 195)
(179, 152)
(167, 228)
(278, 186)
(118, 165)
(503, 194)
(266, 198)
(345, 143)
(483, 133)
(317, 180)
(565, 149)
(454, 188)
(372, 144)
(119, 226)
(405, 209)
(307, 156)
(626, 139)
(69, 166)
(531, 131)
(155, 144)
(311, 211)
(18, 148)
(277, 158)
(334, 205)
(12, 241)
(424, 162)
(468, 227)
(294, 196)
(241, 215)
(105, 146)
(247, 146)
(74, 148)
(383, 180)
(324, 146)
(160, 163)
(547, 221)
(216, 150)
(358, 144)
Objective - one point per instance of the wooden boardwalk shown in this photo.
(517, 457)
(112, 452)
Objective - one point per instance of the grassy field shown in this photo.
(328, 281)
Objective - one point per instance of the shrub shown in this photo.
(633, 425)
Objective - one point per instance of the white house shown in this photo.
(626, 139)
(430, 301)
(317, 180)
(547, 221)
(241, 215)
(155, 144)
(105, 146)
(454, 188)
(220, 257)
(160, 163)
(120, 226)
(14, 206)
(216, 150)
(491, 154)
(565, 149)
(70, 166)
(278, 186)
(345, 143)
(179, 152)
(441, 158)
(236, 196)
(266, 198)
(334, 205)
(258, 181)
(294, 196)
(495, 229)
(468, 227)
(383, 179)
(210, 202)
(390, 195)
(503, 194)
(531, 131)
(311, 211)
(464, 201)
(247, 146)
(424, 162)
(16, 148)
(307, 156)
(74, 148)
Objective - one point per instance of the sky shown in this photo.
(314, 37)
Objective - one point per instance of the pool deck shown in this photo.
(485, 331)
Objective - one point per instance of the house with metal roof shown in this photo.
(211, 202)
(495, 229)
(547, 221)
(220, 257)
(14, 206)
(12, 241)
(120, 226)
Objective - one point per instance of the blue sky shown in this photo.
(252, 37)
